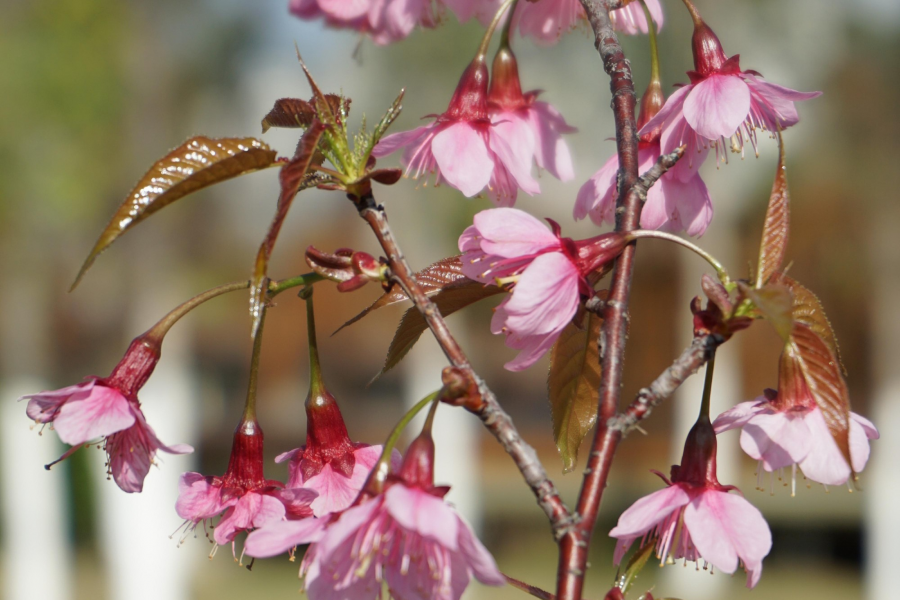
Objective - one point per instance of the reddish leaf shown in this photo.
(775, 302)
(775, 230)
(449, 299)
(442, 275)
(808, 310)
(196, 164)
(573, 386)
(289, 112)
(808, 366)
(291, 177)
(386, 176)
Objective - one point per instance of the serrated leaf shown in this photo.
(449, 299)
(809, 311)
(291, 177)
(438, 276)
(809, 366)
(389, 117)
(573, 386)
(775, 302)
(196, 164)
(289, 112)
(777, 225)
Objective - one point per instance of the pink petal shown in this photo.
(649, 511)
(631, 19)
(198, 499)
(725, 527)
(547, 21)
(424, 514)
(395, 141)
(278, 537)
(477, 556)
(103, 412)
(252, 510)
(44, 406)
(861, 431)
(740, 414)
(346, 524)
(776, 102)
(462, 155)
(717, 106)
(511, 233)
(677, 133)
(824, 463)
(345, 9)
(688, 203)
(779, 440)
(297, 501)
(336, 491)
(532, 349)
(551, 151)
(512, 141)
(597, 197)
(545, 298)
(672, 108)
(289, 455)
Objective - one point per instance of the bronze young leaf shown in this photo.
(573, 386)
(776, 227)
(196, 164)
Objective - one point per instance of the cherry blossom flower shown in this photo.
(722, 106)
(108, 409)
(695, 517)
(547, 20)
(517, 116)
(465, 148)
(385, 21)
(407, 537)
(549, 275)
(783, 432)
(244, 498)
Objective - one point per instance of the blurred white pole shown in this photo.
(455, 431)
(37, 552)
(36, 549)
(135, 528)
(681, 581)
(879, 481)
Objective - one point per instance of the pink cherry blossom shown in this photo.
(385, 21)
(244, 498)
(108, 410)
(525, 124)
(548, 272)
(547, 20)
(672, 204)
(405, 536)
(698, 522)
(722, 107)
(336, 490)
(466, 149)
(696, 517)
(782, 436)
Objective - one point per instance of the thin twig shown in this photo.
(700, 351)
(573, 547)
(497, 421)
(662, 165)
(529, 589)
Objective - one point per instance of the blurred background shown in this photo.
(92, 92)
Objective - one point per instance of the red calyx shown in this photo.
(135, 368)
(327, 441)
(506, 90)
(469, 101)
(594, 252)
(709, 56)
(245, 467)
(417, 469)
(698, 462)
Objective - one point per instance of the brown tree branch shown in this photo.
(574, 544)
(702, 348)
(660, 168)
(497, 421)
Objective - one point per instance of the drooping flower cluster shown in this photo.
(722, 107)
(695, 517)
(547, 20)
(243, 496)
(487, 141)
(406, 537)
(549, 274)
(108, 409)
